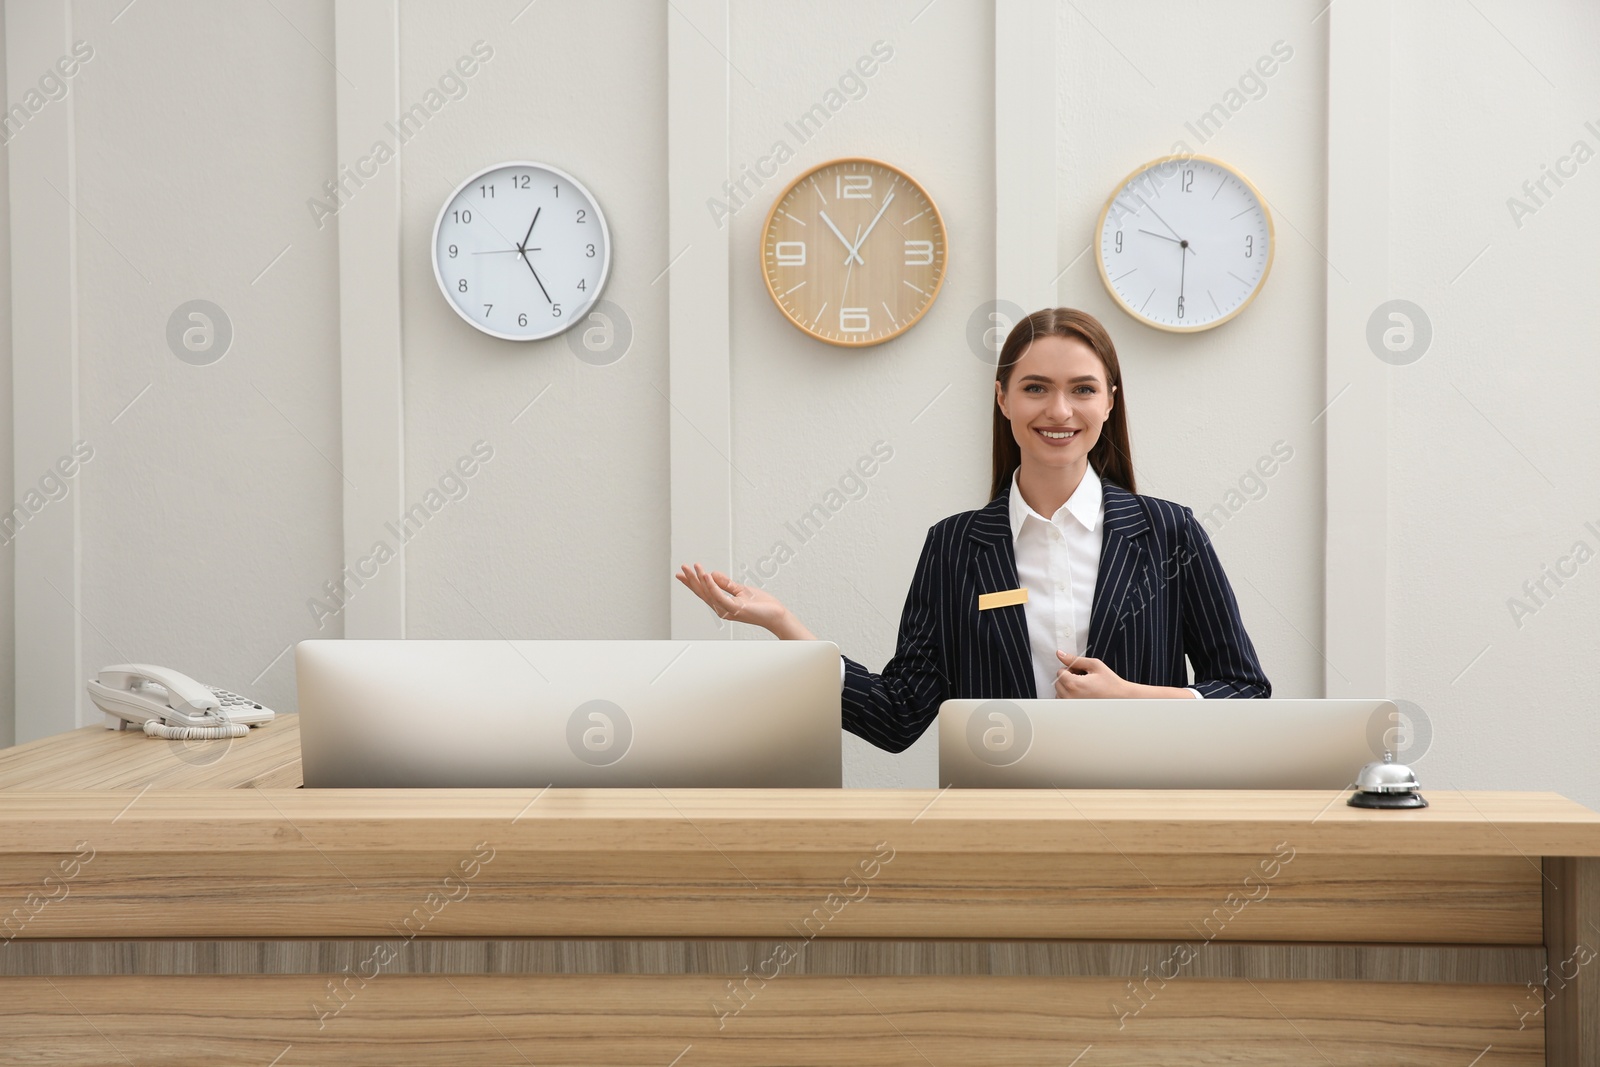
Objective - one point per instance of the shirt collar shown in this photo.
(1084, 504)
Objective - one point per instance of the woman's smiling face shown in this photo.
(1058, 385)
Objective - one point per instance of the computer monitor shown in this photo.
(1161, 744)
(407, 714)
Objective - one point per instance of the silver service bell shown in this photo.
(1386, 784)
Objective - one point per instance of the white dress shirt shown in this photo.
(1058, 563)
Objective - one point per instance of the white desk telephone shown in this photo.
(172, 705)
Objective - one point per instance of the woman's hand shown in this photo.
(742, 603)
(1085, 677)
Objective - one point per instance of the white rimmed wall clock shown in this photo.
(521, 250)
(853, 252)
(1185, 243)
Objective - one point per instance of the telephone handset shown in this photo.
(169, 704)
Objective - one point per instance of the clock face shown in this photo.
(1185, 243)
(854, 252)
(521, 251)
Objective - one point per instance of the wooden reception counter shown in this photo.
(171, 905)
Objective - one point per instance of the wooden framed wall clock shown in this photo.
(1185, 243)
(854, 252)
(521, 250)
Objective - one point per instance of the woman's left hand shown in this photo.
(1086, 677)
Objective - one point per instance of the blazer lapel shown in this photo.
(1123, 564)
(995, 562)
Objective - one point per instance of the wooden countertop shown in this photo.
(242, 796)
(96, 758)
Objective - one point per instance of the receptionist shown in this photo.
(1068, 584)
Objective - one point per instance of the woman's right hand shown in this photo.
(730, 600)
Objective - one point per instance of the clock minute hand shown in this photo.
(856, 249)
(842, 239)
(542, 289)
(1183, 262)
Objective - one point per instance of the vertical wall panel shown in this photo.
(1357, 415)
(44, 337)
(367, 49)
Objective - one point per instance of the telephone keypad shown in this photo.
(229, 700)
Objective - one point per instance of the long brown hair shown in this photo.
(1110, 456)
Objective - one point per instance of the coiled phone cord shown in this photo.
(153, 728)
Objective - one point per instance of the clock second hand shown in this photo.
(847, 270)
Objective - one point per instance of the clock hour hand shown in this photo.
(1161, 220)
(842, 239)
(855, 249)
(529, 234)
(1163, 236)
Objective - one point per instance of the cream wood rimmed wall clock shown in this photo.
(1185, 243)
(854, 252)
(521, 250)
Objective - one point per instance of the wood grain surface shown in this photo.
(1571, 997)
(331, 891)
(1493, 964)
(691, 1020)
(96, 758)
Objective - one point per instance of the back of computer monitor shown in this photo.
(1160, 744)
(519, 714)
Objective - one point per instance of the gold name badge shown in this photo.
(1002, 599)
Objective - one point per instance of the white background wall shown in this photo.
(211, 511)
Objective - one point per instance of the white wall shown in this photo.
(1203, 409)
(7, 552)
(211, 512)
(1492, 475)
(804, 411)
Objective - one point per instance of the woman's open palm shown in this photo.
(731, 600)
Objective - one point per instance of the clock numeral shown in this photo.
(555, 311)
(852, 186)
(919, 253)
(557, 188)
(583, 216)
(486, 309)
(589, 251)
(854, 320)
(1119, 241)
(521, 181)
(1249, 246)
(583, 286)
(452, 251)
(790, 253)
(1188, 181)
(486, 190)
(461, 286)
(461, 215)
(522, 319)
(1180, 307)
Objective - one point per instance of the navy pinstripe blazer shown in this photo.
(1160, 595)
